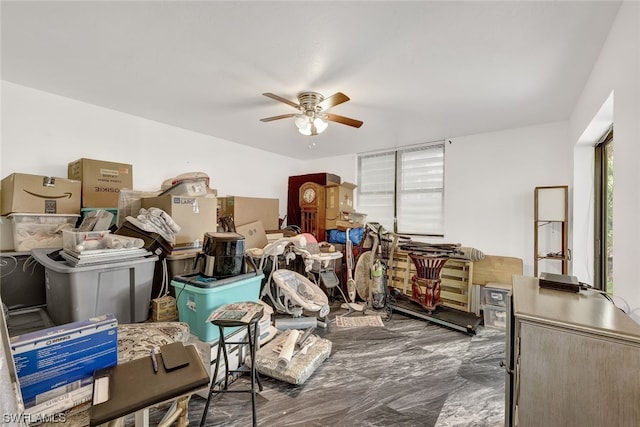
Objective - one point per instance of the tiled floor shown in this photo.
(408, 373)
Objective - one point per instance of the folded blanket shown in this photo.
(471, 254)
(156, 220)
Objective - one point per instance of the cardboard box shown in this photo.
(52, 361)
(340, 197)
(245, 210)
(254, 235)
(195, 216)
(26, 193)
(339, 205)
(101, 181)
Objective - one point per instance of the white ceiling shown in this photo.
(415, 71)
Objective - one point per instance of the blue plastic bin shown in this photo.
(196, 303)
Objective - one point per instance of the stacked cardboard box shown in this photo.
(38, 207)
(195, 216)
(341, 213)
(245, 210)
(25, 193)
(101, 181)
(164, 309)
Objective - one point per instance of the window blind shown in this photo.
(404, 189)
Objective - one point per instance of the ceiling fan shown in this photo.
(312, 118)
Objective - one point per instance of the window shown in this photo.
(403, 189)
(603, 208)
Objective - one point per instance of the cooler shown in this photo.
(197, 296)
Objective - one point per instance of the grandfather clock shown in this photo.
(313, 210)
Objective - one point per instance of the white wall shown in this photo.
(618, 70)
(489, 187)
(489, 177)
(343, 166)
(42, 133)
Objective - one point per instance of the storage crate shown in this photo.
(79, 241)
(79, 293)
(456, 275)
(495, 317)
(181, 263)
(21, 281)
(25, 320)
(177, 263)
(494, 296)
(40, 230)
(195, 303)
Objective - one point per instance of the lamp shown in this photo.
(309, 124)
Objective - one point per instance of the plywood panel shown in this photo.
(499, 269)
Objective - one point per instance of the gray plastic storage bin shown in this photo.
(79, 293)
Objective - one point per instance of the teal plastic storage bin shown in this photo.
(196, 301)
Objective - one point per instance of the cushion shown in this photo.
(135, 340)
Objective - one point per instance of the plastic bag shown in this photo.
(338, 236)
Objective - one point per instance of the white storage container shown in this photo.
(495, 317)
(494, 296)
(40, 230)
(79, 293)
(79, 241)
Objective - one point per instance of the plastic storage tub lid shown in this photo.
(42, 255)
(200, 281)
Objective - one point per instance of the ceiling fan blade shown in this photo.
(341, 119)
(333, 100)
(281, 99)
(270, 119)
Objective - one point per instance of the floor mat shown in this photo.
(359, 321)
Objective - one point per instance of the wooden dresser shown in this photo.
(573, 359)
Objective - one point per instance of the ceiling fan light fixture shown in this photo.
(312, 118)
(301, 121)
(306, 131)
(320, 125)
(306, 124)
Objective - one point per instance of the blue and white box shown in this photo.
(57, 360)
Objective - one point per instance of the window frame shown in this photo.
(425, 184)
(602, 241)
